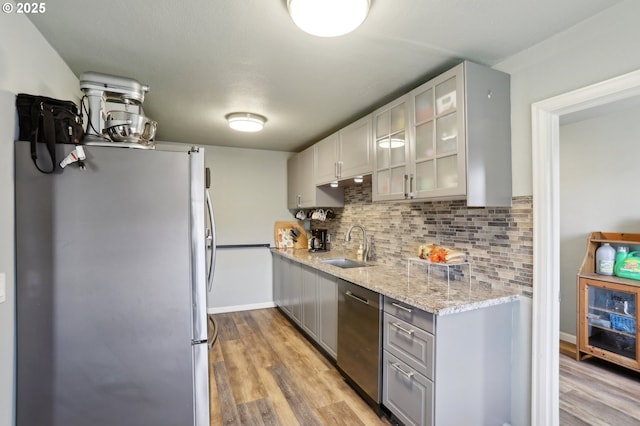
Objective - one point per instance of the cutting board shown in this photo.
(283, 236)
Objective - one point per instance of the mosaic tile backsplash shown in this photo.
(498, 241)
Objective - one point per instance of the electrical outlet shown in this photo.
(3, 287)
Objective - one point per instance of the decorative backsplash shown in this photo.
(498, 241)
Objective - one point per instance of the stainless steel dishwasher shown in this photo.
(359, 338)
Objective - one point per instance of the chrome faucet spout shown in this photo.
(365, 242)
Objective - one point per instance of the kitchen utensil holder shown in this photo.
(447, 267)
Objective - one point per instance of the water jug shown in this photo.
(605, 258)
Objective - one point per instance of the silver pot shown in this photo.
(125, 126)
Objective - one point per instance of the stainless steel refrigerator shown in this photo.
(112, 273)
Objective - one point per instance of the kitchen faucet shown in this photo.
(365, 243)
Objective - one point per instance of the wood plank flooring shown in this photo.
(595, 392)
(264, 372)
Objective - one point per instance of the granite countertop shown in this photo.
(410, 285)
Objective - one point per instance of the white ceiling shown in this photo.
(206, 58)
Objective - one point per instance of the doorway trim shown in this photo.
(545, 322)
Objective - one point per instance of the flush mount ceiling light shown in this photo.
(328, 18)
(245, 121)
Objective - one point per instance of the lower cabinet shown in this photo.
(328, 313)
(447, 370)
(310, 298)
(309, 301)
(407, 393)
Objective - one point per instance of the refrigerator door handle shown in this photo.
(212, 332)
(212, 259)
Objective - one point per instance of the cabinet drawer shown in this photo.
(407, 393)
(408, 313)
(409, 343)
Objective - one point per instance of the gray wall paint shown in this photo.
(29, 65)
(249, 194)
(598, 175)
(602, 47)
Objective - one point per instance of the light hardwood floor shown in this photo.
(595, 392)
(263, 372)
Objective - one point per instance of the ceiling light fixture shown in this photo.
(328, 18)
(358, 179)
(245, 121)
(334, 184)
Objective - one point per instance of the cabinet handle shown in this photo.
(401, 307)
(339, 169)
(399, 327)
(299, 200)
(335, 169)
(404, 186)
(358, 298)
(411, 186)
(407, 374)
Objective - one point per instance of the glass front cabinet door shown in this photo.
(391, 178)
(438, 129)
(608, 316)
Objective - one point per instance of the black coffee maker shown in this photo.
(318, 240)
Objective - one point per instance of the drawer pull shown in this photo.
(358, 298)
(401, 307)
(399, 327)
(407, 374)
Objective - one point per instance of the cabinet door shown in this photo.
(391, 152)
(408, 394)
(277, 279)
(306, 177)
(293, 187)
(608, 321)
(410, 344)
(355, 158)
(291, 289)
(326, 162)
(328, 313)
(286, 286)
(309, 296)
(439, 149)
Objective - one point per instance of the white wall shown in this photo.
(600, 48)
(28, 64)
(597, 49)
(249, 194)
(598, 178)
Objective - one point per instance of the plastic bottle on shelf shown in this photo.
(621, 253)
(605, 258)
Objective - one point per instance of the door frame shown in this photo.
(545, 333)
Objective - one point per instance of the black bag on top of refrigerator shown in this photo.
(50, 121)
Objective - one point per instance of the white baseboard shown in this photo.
(566, 337)
(238, 308)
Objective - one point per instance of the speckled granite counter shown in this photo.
(411, 286)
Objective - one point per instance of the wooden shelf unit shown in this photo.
(604, 300)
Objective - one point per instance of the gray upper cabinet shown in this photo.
(326, 165)
(345, 154)
(457, 140)
(301, 187)
(392, 166)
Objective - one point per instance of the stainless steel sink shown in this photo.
(342, 262)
